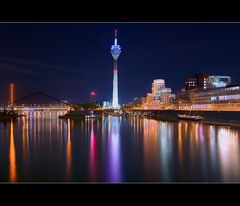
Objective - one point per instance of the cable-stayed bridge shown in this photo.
(21, 105)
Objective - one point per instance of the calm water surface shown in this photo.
(41, 147)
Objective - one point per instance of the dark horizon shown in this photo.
(68, 60)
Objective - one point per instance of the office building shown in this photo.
(198, 81)
(218, 81)
(159, 91)
(204, 81)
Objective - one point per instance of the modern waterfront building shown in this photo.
(191, 83)
(106, 104)
(159, 91)
(115, 51)
(218, 81)
(149, 98)
(138, 101)
(157, 86)
(204, 81)
(159, 98)
(166, 95)
(215, 95)
(198, 81)
(224, 98)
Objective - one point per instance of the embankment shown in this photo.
(212, 117)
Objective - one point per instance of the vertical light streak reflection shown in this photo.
(103, 128)
(228, 147)
(40, 129)
(61, 131)
(165, 147)
(193, 139)
(24, 131)
(34, 129)
(185, 128)
(12, 156)
(197, 133)
(93, 153)
(202, 150)
(25, 141)
(69, 151)
(50, 128)
(114, 156)
(180, 147)
(150, 147)
(213, 148)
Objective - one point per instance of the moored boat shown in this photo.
(189, 117)
(8, 115)
(91, 116)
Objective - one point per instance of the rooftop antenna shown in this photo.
(115, 41)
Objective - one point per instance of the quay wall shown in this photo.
(208, 116)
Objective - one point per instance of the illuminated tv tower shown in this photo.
(115, 51)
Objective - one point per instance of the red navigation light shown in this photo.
(93, 93)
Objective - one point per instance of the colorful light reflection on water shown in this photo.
(41, 147)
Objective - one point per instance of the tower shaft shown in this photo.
(115, 85)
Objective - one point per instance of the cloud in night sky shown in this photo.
(9, 66)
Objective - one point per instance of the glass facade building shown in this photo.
(204, 81)
(219, 98)
(215, 95)
(159, 91)
(218, 81)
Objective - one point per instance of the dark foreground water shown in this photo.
(41, 147)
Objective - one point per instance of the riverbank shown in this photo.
(224, 118)
(206, 122)
(78, 114)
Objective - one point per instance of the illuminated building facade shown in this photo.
(149, 98)
(221, 98)
(218, 81)
(165, 95)
(115, 51)
(106, 104)
(159, 91)
(191, 83)
(159, 98)
(11, 94)
(227, 94)
(198, 81)
(204, 81)
(138, 102)
(157, 86)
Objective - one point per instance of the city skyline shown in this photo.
(61, 64)
(167, 111)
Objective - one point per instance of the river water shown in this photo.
(42, 148)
